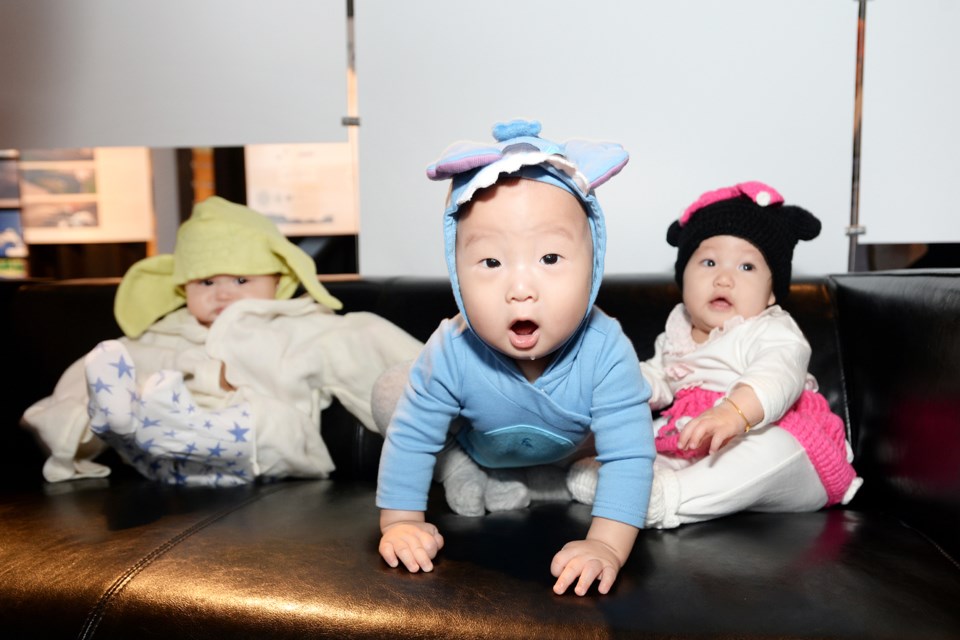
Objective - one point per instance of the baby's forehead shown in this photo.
(489, 218)
(512, 192)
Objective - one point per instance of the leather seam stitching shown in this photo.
(96, 614)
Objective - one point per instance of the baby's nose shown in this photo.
(521, 288)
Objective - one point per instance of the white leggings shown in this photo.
(766, 470)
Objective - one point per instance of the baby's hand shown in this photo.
(589, 560)
(414, 543)
(715, 425)
(226, 386)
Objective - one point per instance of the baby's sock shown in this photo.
(203, 447)
(664, 500)
(548, 483)
(112, 387)
(464, 482)
(582, 479)
(113, 399)
(506, 490)
(654, 519)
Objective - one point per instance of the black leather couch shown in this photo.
(123, 558)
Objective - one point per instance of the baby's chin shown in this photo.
(528, 355)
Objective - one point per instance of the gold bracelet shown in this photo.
(746, 423)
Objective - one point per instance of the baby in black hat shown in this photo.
(742, 425)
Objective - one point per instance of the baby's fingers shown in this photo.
(414, 548)
(560, 561)
(566, 577)
(607, 578)
(690, 437)
(389, 555)
(717, 442)
(588, 573)
(721, 438)
(415, 559)
(584, 574)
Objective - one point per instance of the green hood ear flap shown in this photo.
(146, 294)
(302, 270)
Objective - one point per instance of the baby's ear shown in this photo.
(805, 225)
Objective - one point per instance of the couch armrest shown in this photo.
(901, 360)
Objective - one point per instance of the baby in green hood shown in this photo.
(222, 374)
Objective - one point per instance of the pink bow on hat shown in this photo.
(760, 193)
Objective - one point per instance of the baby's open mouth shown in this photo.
(523, 334)
(721, 303)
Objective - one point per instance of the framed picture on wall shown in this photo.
(11, 235)
(13, 250)
(306, 189)
(9, 182)
(79, 196)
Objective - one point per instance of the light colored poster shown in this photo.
(89, 195)
(911, 96)
(306, 189)
(9, 183)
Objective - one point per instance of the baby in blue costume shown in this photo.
(529, 368)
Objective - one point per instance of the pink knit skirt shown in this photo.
(818, 430)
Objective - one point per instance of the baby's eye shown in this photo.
(207, 283)
(490, 263)
(747, 267)
(550, 258)
(708, 262)
(241, 280)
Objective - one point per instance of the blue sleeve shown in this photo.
(418, 429)
(623, 433)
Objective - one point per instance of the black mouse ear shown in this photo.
(804, 224)
(673, 234)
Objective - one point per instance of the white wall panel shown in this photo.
(703, 94)
(171, 72)
(910, 147)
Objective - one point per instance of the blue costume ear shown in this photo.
(597, 162)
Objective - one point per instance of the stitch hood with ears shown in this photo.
(220, 237)
(577, 166)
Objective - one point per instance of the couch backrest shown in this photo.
(55, 323)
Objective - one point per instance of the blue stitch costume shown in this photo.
(592, 385)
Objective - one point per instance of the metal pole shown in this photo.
(855, 229)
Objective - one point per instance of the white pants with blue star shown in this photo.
(160, 430)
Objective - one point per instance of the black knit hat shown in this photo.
(752, 211)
